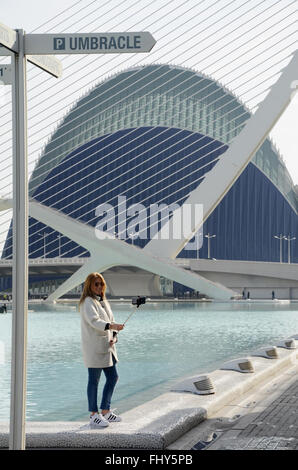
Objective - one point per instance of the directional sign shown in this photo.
(93, 43)
(9, 38)
(4, 51)
(47, 63)
(5, 74)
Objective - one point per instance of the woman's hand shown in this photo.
(117, 326)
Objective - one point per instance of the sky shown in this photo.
(243, 44)
(30, 14)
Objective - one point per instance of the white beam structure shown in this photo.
(221, 178)
(108, 252)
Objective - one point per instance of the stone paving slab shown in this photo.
(275, 428)
(266, 419)
(233, 442)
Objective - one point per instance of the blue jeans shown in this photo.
(93, 379)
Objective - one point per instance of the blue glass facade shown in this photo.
(248, 217)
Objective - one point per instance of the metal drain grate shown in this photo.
(288, 343)
(204, 385)
(272, 353)
(201, 445)
(246, 366)
(243, 365)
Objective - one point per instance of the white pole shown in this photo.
(289, 247)
(208, 236)
(280, 238)
(131, 235)
(20, 252)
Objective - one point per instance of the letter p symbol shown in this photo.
(59, 44)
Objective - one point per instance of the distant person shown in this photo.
(273, 295)
(243, 294)
(98, 332)
(3, 309)
(248, 295)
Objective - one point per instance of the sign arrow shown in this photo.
(5, 74)
(91, 43)
(47, 63)
(4, 51)
(9, 38)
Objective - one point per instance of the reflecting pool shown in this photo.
(161, 343)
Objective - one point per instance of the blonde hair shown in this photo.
(87, 291)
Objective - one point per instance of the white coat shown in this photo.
(96, 349)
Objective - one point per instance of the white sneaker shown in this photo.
(98, 421)
(112, 418)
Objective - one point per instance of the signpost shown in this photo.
(15, 74)
(39, 50)
(20, 252)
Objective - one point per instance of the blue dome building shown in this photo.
(149, 135)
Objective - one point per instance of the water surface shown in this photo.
(161, 343)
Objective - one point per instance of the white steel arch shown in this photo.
(108, 252)
(221, 178)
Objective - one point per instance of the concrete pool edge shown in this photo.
(159, 422)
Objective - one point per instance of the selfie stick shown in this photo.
(114, 332)
(134, 310)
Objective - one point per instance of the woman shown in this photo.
(98, 332)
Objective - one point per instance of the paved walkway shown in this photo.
(264, 420)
